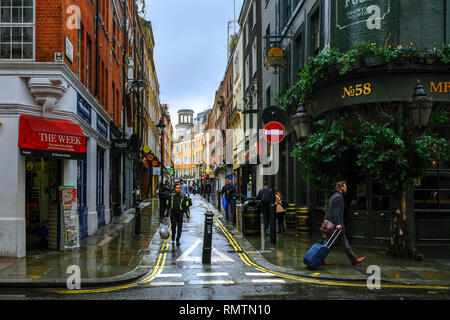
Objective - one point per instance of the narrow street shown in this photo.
(177, 273)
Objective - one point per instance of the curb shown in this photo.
(127, 277)
(260, 260)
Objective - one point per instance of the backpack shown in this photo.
(266, 195)
(189, 200)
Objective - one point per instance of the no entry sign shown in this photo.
(274, 132)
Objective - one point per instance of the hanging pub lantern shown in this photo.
(301, 122)
(419, 108)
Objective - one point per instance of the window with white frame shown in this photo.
(17, 29)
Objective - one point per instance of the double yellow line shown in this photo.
(244, 257)
(159, 266)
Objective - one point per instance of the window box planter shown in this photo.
(373, 61)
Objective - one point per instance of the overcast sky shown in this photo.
(190, 50)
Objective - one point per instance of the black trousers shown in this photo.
(345, 244)
(280, 220)
(177, 225)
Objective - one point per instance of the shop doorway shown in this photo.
(42, 180)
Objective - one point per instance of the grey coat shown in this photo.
(335, 211)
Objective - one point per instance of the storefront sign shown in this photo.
(357, 90)
(68, 196)
(51, 138)
(120, 145)
(379, 88)
(275, 58)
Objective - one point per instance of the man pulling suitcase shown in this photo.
(335, 215)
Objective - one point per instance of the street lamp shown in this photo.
(301, 122)
(161, 127)
(136, 87)
(419, 108)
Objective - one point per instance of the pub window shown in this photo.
(299, 52)
(17, 27)
(268, 97)
(380, 200)
(433, 192)
(315, 32)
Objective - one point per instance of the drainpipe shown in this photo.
(124, 81)
(97, 57)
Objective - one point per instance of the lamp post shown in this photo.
(136, 87)
(161, 127)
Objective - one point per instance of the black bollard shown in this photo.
(273, 224)
(207, 238)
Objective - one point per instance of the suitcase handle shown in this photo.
(333, 237)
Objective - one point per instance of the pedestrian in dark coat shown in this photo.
(164, 194)
(266, 198)
(177, 206)
(335, 214)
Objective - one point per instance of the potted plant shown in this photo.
(372, 55)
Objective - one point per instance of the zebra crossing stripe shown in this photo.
(259, 274)
(213, 274)
(268, 281)
(173, 283)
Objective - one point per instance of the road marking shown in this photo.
(168, 275)
(244, 257)
(259, 274)
(213, 274)
(173, 283)
(219, 257)
(268, 281)
(211, 282)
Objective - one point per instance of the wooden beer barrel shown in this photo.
(302, 217)
(289, 216)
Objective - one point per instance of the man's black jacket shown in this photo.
(177, 203)
(335, 211)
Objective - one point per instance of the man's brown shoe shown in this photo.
(358, 260)
(326, 263)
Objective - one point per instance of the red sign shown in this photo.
(54, 138)
(274, 132)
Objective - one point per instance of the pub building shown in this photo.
(53, 133)
(314, 26)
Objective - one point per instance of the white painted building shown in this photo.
(29, 184)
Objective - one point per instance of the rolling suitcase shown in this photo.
(318, 252)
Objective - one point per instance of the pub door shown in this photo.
(368, 213)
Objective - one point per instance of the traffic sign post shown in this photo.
(274, 132)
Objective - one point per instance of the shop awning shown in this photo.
(51, 138)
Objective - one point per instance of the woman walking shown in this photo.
(280, 211)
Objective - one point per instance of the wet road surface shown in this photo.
(177, 273)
